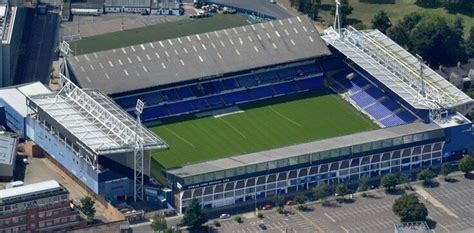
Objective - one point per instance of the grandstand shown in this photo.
(275, 108)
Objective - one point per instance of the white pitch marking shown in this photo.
(152, 46)
(139, 59)
(124, 51)
(133, 48)
(125, 71)
(120, 62)
(144, 68)
(143, 47)
(110, 63)
(129, 60)
(148, 57)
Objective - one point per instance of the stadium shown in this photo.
(275, 108)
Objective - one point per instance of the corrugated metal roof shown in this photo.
(199, 56)
(15, 96)
(8, 146)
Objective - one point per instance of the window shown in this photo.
(261, 167)
(272, 164)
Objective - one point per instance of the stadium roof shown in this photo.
(302, 149)
(396, 68)
(199, 56)
(94, 119)
(29, 189)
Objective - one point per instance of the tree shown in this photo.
(341, 190)
(470, 43)
(87, 207)
(279, 201)
(194, 217)
(389, 181)
(405, 180)
(466, 164)
(381, 21)
(300, 199)
(445, 170)
(158, 223)
(409, 208)
(363, 184)
(437, 41)
(400, 32)
(321, 191)
(426, 175)
(344, 10)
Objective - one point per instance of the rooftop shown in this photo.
(261, 6)
(397, 69)
(15, 96)
(302, 149)
(29, 189)
(8, 145)
(94, 119)
(199, 56)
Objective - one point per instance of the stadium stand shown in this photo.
(371, 100)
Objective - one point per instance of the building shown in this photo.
(87, 7)
(166, 7)
(421, 122)
(13, 110)
(128, 6)
(43, 206)
(11, 31)
(461, 75)
(8, 149)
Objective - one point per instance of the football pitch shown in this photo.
(157, 32)
(260, 126)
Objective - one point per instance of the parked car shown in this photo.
(262, 226)
(169, 213)
(267, 207)
(290, 203)
(224, 216)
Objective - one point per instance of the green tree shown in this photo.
(381, 21)
(321, 191)
(158, 223)
(341, 190)
(409, 208)
(87, 208)
(389, 181)
(400, 32)
(279, 201)
(437, 41)
(445, 170)
(405, 180)
(466, 164)
(363, 184)
(344, 10)
(194, 216)
(426, 175)
(300, 199)
(470, 43)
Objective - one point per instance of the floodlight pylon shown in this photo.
(138, 155)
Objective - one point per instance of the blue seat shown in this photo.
(378, 111)
(208, 88)
(236, 97)
(185, 92)
(247, 81)
(200, 103)
(229, 84)
(154, 112)
(362, 99)
(169, 95)
(214, 101)
(267, 77)
(262, 92)
(287, 73)
(285, 88)
(392, 121)
(314, 83)
(181, 107)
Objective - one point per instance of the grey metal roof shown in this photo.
(94, 119)
(397, 69)
(302, 149)
(199, 56)
(260, 6)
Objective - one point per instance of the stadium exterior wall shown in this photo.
(460, 140)
(13, 119)
(105, 183)
(287, 180)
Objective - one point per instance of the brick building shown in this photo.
(39, 207)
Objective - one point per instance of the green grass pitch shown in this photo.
(157, 32)
(262, 126)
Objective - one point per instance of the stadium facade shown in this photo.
(421, 119)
